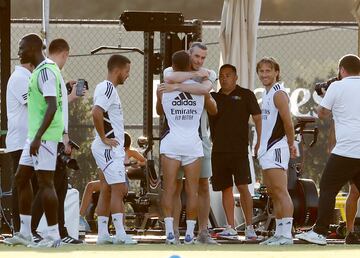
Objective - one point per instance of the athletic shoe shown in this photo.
(250, 233)
(18, 239)
(47, 243)
(71, 241)
(84, 225)
(170, 239)
(204, 238)
(228, 232)
(104, 240)
(269, 240)
(312, 237)
(352, 238)
(189, 240)
(126, 240)
(282, 241)
(36, 238)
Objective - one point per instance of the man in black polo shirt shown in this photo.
(229, 158)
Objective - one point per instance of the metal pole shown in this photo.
(45, 21)
(5, 61)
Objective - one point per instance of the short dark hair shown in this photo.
(272, 62)
(233, 68)
(34, 41)
(351, 63)
(199, 45)
(58, 45)
(117, 61)
(180, 61)
(127, 140)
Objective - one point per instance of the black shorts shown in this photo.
(229, 169)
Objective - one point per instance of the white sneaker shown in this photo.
(18, 239)
(250, 233)
(228, 232)
(189, 240)
(84, 225)
(47, 243)
(312, 237)
(170, 239)
(269, 240)
(126, 240)
(104, 240)
(282, 241)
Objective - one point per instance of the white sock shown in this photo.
(103, 226)
(25, 225)
(287, 227)
(117, 219)
(190, 226)
(53, 232)
(279, 227)
(169, 226)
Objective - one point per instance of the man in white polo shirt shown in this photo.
(342, 101)
(16, 105)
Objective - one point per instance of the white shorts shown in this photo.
(275, 158)
(46, 158)
(184, 160)
(110, 161)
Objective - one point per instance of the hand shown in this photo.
(67, 145)
(166, 87)
(110, 142)
(203, 73)
(34, 147)
(293, 151)
(72, 96)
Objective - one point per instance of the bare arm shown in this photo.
(179, 77)
(159, 107)
(48, 118)
(331, 138)
(137, 156)
(98, 118)
(210, 105)
(257, 122)
(193, 88)
(281, 101)
(323, 112)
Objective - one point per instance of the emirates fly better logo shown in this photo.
(184, 99)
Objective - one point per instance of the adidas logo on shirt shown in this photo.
(184, 99)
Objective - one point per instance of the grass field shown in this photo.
(196, 251)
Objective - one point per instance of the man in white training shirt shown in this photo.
(108, 151)
(181, 146)
(276, 147)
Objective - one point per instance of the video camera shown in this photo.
(81, 84)
(66, 159)
(324, 85)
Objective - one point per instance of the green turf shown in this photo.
(162, 251)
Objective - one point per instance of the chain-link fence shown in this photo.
(306, 52)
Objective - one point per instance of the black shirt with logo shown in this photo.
(230, 126)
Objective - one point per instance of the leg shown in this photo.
(61, 186)
(170, 170)
(15, 157)
(93, 186)
(246, 203)
(229, 204)
(192, 174)
(177, 205)
(204, 204)
(103, 211)
(351, 207)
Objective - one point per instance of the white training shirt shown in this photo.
(16, 104)
(106, 97)
(343, 99)
(272, 129)
(183, 112)
(204, 122)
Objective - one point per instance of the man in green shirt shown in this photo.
(46, 127)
